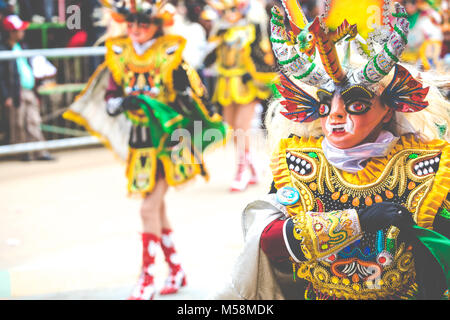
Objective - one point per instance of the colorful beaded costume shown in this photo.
(147, 135)
(330, 253)
(240, 56)
(346, 263)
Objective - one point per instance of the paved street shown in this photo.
(68, 231)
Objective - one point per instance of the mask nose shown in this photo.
(337, 108)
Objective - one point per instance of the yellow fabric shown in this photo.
(120, 62)
(141, 176)
(79, 119)
(323, 188)
(232, 90)
(233, 62)
(126, 65)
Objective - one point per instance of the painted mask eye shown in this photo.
(324, 110)
(357, 108)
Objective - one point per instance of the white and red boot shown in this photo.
(246, 174)
(177, 277)
(145, 288)
(254, 173)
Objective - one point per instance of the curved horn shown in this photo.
(328, 53)
(381, 64)
(295, 15)
(289, 58)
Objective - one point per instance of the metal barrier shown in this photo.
(74, 66)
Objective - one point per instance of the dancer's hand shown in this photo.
(131, 103)
(381, 215)
(180, 80)
(114, 106)
(246, 78)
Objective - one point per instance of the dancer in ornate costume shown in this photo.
(359, 205)
(243, 61)
(134, 103)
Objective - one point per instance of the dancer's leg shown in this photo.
(151, 238)
(176, 278)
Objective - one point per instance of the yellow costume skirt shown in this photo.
(233, 90)
(145, 166)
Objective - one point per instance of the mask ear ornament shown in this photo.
(404, 93)
(299, 105)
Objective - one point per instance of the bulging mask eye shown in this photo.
(324, 110)
(357, 108)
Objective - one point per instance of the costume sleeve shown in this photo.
(258, 54)
(272, 242)
(301, 234)
(114, 98)
(210, 58)
(113, 90)
(190, 91)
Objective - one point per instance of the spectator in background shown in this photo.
(25, 8)
(16, 90)
(3, 10)
(49, 10)
(37, 10)
(186, 25)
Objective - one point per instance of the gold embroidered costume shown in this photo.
(356, 265)
(148, 128)
(239, 79)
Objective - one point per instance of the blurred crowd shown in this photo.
(429, 22)
(39, 24)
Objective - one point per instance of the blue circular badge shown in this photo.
(287, 196)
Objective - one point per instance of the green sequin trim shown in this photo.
(445, 213)
(389, 53)
(365, 75)
(400, 15)
(311, 68)
(390, 245)
(378, 67)
(276, 22)
(442, 130)
(289, 60)
(400, 32)
(277, 40)
(277, 16)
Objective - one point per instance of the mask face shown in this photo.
(352, 117)
(232, 15)
(141, 32)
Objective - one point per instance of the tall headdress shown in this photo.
(121, 9)
(221, 5)
(308, 53)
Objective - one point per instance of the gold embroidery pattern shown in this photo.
(405, 177)
(399, 174)
(150, 72)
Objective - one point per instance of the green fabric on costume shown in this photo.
(163, 119)
(412, 19)
(438, 245)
